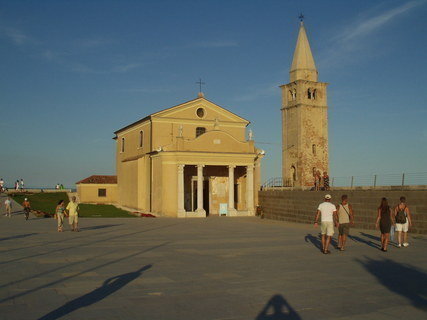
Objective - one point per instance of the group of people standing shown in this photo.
(71, 211)
(342, 217)
(321, 182)
(18, 185)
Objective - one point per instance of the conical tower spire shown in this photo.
(303, 67)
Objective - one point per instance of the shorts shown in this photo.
(73, 219)
(60, 217)
(327, 227)
(402, 226)
(344, 228)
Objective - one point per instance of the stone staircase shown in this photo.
(300, 206)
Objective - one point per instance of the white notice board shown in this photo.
(223, 209)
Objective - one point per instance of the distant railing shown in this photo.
(373, 180)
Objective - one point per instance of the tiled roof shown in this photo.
(99, 180)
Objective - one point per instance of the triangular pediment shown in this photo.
(210, 111)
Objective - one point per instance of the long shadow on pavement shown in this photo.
(364, 241)
(109, 286)
(403, 279)
(370, 236)
(54, 282)
(317, 241)
(89, 243)
(277, 308)
(102, 226)
(18, 236)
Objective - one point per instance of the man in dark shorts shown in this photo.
(345, 219)
(27, 208)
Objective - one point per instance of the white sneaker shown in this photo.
(399, 245)
(406, 244)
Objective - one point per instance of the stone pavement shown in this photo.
(213, 268)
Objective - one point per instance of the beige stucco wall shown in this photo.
(88, 193)
(148, 176)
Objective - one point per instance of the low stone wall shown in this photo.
(300, 206)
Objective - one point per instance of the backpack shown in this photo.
(401, 216)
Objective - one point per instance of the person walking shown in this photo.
(17, 185)
(316, 175)
(60, 212)
(73, 213)
(1, 185)
(326, 181)
(345, 219)
(327, 213)
(8, 205)
(403, 220)
(384, 221)
(22, 184)
(27, 208)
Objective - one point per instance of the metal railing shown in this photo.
(373, 180)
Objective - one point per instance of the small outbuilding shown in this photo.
(97, 189)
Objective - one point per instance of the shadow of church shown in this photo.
(277, 308)
(402, 279)
(109, 286)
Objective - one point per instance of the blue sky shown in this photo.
(73, 72)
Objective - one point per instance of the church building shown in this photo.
(190, 160)
(304, 119)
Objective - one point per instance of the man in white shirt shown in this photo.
(8, 205)
(328, 217)
(73, 213)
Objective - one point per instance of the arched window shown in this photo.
(314, 94)
(123, 144)
(309, 93)
(200, 131)
(290, 95)
(293, 174)
(313, 149)
(141, 139)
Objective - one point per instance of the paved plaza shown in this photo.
(213, 268)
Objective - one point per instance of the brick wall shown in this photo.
(300, 206)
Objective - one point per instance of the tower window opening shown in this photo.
(309, 95)
(141, 139)
(314, 94)
(123, 144)
(290, 95)
(313, 149)
(200, 131)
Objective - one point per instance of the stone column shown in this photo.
(231, 209)
(181, 209)
(250, 189)
(200, 209)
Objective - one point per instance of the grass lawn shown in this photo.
(47, 202)
(102, 211)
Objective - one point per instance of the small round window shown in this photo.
(200, 112)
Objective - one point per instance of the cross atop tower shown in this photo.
(301, 17)
(200, 83)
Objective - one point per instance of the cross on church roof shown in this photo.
(301, 17)
(200, 83)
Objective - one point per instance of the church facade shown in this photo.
(304, 119)
(191, 160)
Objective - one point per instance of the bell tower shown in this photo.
(304, 119)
